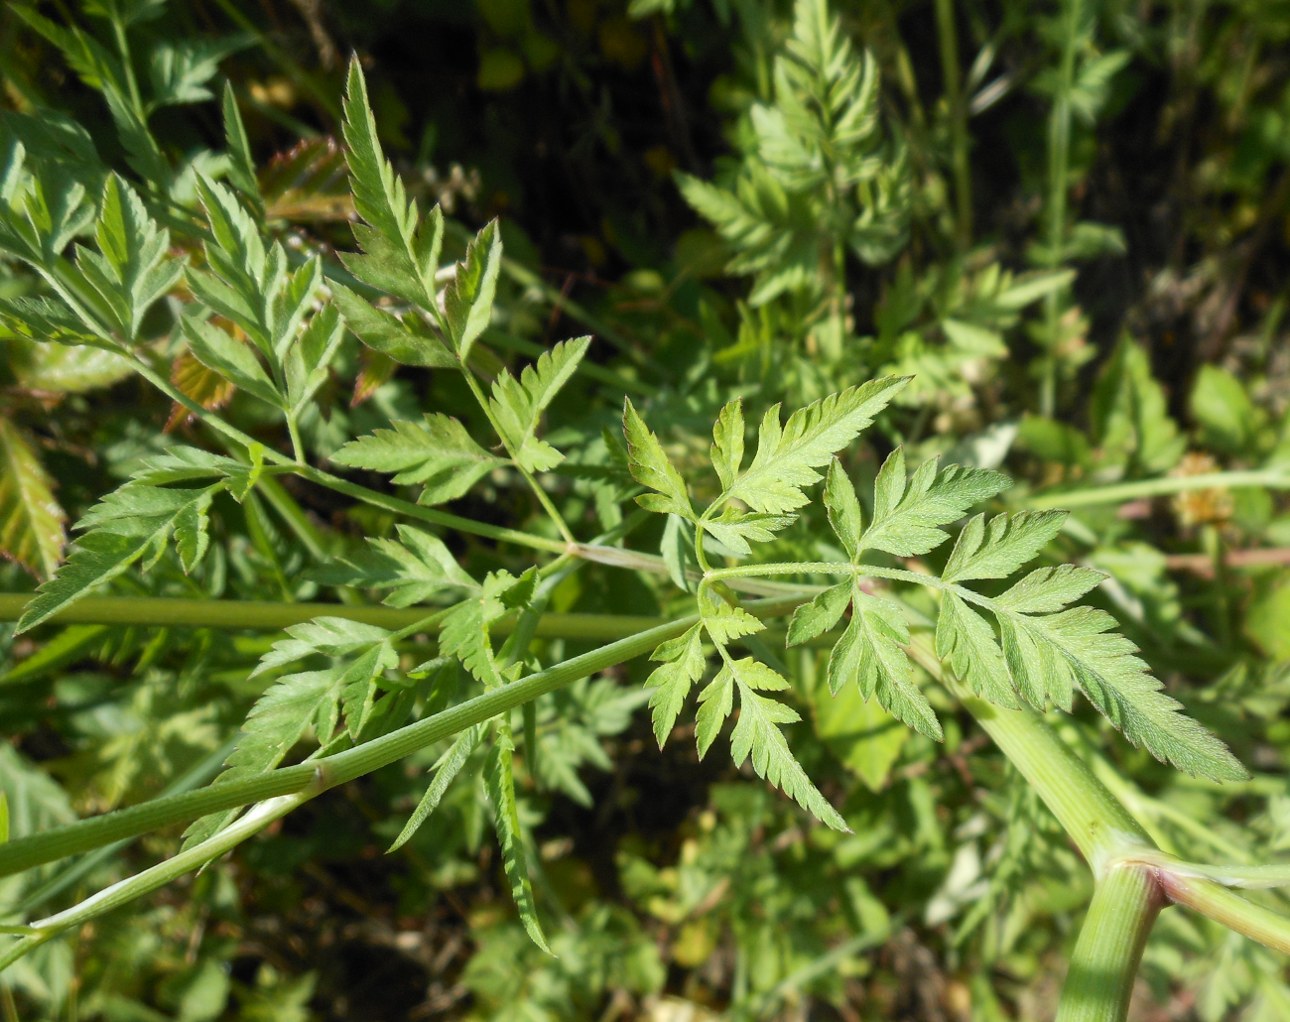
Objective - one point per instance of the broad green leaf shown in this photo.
(682, 665)
(131, 523)
(401, 255)
(517, 405)
(651, 467)
(788, 456)
(1130, 415)
(31, 520)
(407, 341)
(1220, 404)
(510, 831)
(64, 369)
(865, 738)
(909, 515)
(436, 453)
(997, 549)
(446, 770)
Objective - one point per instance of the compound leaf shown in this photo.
(757, 733)
(437, 453)
(510, 831)
(468, 300)
(728, 442)
(517, 405)
(682, 665)
(401, 256)
(129, 523)
(965, 640)
(651, 467)
(998, 549)
(407, 341)
(445, 772)
(788, 456)
(908, 515)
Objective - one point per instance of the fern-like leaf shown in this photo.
(437, 453)
(465, 632)
(682, 665)
(468, 300)
(908, 515)
(517, 405)
(132, 268)
(757, 734)
(134, 522)
(510, 831)
(401, 255)
(445, 772)
(652, 468)
(304, 700)
(415, 568)
(789, 456)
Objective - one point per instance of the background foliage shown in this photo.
(1065, 224)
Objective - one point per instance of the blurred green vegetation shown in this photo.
(1070, 221)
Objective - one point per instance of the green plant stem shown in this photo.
(1099, 982)
(33, 850)
(959, 165)
(159, 875)
(1227, 907)
(338, 485)
(265, 615)
(1059, 138)
(1096, 821)
(551, 510)
(1141, 489)
(430, 515)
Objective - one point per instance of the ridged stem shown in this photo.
(1105, 962)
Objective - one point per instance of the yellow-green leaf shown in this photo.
(31, 520)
